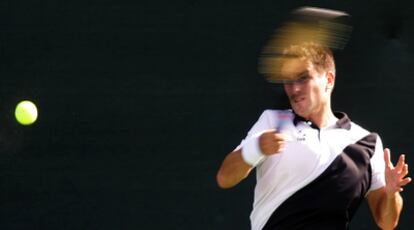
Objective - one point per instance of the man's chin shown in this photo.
(300, 112)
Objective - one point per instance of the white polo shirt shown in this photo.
(306, 157)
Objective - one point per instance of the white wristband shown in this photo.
(251, 152)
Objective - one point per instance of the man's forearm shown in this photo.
(233, 170)
(390, 210)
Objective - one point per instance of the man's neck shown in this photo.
(323, 119)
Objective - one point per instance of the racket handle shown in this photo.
(284, 121)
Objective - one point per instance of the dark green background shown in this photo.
(139, 102)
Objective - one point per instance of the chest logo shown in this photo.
(301, 136)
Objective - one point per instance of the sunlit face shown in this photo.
(309, 95)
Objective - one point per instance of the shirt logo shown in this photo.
(301, 136)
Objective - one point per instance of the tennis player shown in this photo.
(314, 166)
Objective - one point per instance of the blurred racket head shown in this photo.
(325, 27)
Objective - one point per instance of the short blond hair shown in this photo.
(321, 57)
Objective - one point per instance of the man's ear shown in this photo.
(330, 76)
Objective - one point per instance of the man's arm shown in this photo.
(385, 209)
(235, 168)
(386, 202)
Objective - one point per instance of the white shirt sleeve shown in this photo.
(262, 124)
(265, 122)
(378, 166)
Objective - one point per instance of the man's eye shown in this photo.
(303, 78)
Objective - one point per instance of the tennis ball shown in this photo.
(26, 112)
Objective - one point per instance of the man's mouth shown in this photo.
(298, 99)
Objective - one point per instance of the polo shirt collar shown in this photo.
(343, 121)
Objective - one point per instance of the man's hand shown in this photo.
(272, 142)
(395, 177)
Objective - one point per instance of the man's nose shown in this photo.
(294, 86)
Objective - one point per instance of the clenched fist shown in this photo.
(272, 142)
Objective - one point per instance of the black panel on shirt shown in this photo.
(330, 201)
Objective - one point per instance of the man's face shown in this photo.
(309, 95)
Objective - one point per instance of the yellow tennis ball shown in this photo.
(26, 112)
